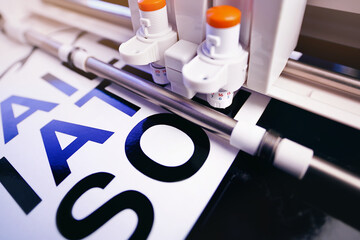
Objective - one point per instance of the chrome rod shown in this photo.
(41, 41)
(334, 172)
(110, 12)
(203, 116)
(323, 77)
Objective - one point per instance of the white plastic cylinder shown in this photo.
(222, 42)
(221, 99)
(64, 52)
(154, 22)
(79, 58)
(158, 73)
(15, 31)
(293, 158)
(247, 137)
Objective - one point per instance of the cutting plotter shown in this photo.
(86, 91)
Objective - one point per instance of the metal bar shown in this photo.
(43, 42)
(323, 77)
(110, 12)
(203, 116)
(333, 172)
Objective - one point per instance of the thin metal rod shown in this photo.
(323, 77)
(43, 42)
(115, 14)
(335, 173)
(203, 116)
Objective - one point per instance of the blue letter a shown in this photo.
(9, 120)
(56, 155)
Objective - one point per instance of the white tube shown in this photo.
(15, 31)
(64, 51)
(222, 42)
(247, 137)
(79, 58)
(154, 22)
(293, 158)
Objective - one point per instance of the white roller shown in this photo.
(16, 31)
(247, 137)
(64, 52)
(79, 58)
(292, 158)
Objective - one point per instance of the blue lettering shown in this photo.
(10, 122)
(56, 155)
(110, 98)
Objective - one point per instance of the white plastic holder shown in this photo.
(206, 75)
(175, 58)
(151, 41)
(140, 50)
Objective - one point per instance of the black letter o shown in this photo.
(147, 166)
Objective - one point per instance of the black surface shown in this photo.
(113, 61)
(138, 72)
(238, 101)
(256, 201)
(110, 43)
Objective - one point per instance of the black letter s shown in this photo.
(77, 229)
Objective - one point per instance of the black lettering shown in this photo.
(72, 228)
(17, 187)
(157, 171)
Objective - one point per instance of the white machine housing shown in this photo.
(269, 31)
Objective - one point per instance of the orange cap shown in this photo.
(223, 16)
(151, 5)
